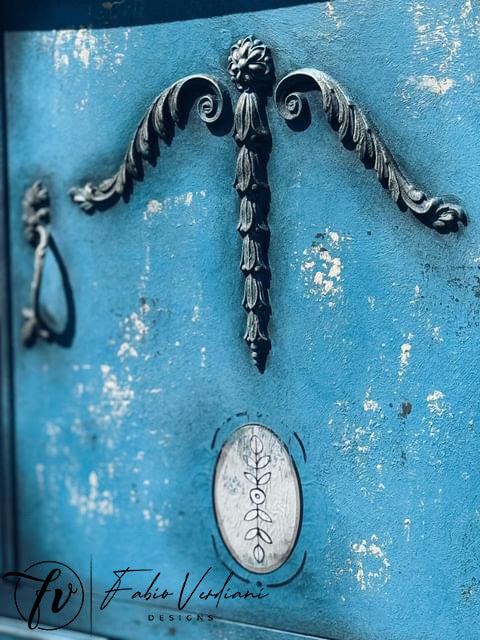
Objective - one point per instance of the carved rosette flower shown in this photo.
(250, 65)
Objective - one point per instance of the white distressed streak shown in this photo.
(368, 403)
(93, 502)
(405, 353)
(436, 403)
(161, 206)
(436, 85)
(40, 473)
(371, 566)
(406, 525)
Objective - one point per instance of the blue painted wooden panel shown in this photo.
(373, 361)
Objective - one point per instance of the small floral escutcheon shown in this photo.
(250, 64)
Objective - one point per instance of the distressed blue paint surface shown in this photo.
(113, 434)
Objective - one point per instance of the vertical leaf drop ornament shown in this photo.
(251, 69)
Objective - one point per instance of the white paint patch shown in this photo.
(60, 59)
(405, 353)
(53, 431)
(371, 302)
(321, 270)
(161, 206)
(370, 565)
(357, 440)
(406, 525)
(93, 502)
(436, 403)
(118, 397)
(135, 329)
(440, 32)
(417, 295)
(436, 29)
(203, 357)
(81, 104)
(115, 401)
(196, 313)
(162, 523)
(74, 48)
(439, 86)
(40, 473)
(368, 403)
(84, 46)
(139, 325)
(127, 350)
(330, 13)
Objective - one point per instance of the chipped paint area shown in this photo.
(368, 403)
(439, 86)
(161, 522)
(155, 207)
(440, 34)
(334, 19)
(405, 354)
(117, 396)
(83, 48)
(417, 295)
(93, 502)
(437, 404)
(407, 523)
(115, 401)
(332, 15)
(370, 564)
(358, 439)
(438, 29)
(322, 269)
(135, 329)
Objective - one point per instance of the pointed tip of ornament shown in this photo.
(259, 357)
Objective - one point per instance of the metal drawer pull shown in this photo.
(36, 217)
(251, 69)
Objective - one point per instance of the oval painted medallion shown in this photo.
(257, 498)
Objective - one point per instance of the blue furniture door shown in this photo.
(337, 469)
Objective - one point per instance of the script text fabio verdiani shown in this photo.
(190, 589)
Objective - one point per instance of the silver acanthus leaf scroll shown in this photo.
(257, 499)
(251, 69)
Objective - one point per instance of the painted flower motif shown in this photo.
(256, 461)
(250, 64)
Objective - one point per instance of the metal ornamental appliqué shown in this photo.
(251, 69)
(257, 499)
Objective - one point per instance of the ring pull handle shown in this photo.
(36, 219)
